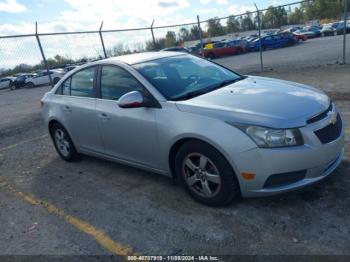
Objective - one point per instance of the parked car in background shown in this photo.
(6, 82)
(339, 27)
(293, 29)
(176, 49)
(20, 81)
(69, 68)
(300, 37)
(42, 78)
(328, 30)
(272, 41)
(224, 48)
(309, 32)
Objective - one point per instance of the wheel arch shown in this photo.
(181, 141)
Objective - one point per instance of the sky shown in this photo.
(19, 17)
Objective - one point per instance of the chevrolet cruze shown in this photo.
(220, 133)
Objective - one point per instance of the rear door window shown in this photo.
(82, 83)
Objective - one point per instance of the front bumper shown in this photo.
(317, 160)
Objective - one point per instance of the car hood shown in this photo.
(260, 101)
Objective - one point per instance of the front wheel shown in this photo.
(205, 174)
(63, 143)
(12, 87)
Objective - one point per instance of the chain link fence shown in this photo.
(235, 36)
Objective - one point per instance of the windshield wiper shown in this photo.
(199, 92)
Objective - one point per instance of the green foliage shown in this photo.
(215, 28)
(274, 17)
(247, 23)
(232, 25)
(170, 39)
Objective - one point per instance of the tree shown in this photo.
(232, 25)
(296, 17)
(274, 17)
(215, 28)
(170, 39)
(247, 23)
(184, 34)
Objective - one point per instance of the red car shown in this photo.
(221, 49)
(300, 37)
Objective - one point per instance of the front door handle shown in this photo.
(104, 116)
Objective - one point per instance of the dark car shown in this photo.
(20, 81)
(272, 41)
(176, 49)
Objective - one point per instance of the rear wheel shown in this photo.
(205, 174)
(63, 143)
(12, 86)
(211, 56)
(55, 80)
(30, 85)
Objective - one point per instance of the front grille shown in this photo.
(320, 116)
(284, 179)
(330, 132)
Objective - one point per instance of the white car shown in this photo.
(42, 78)
(6, 82)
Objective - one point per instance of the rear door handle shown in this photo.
(104, 116)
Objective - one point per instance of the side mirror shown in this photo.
(132, 99)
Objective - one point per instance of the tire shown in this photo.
(12, 87)
(63, 143)
(211, 56)
(30, 85)
(222, 187)
(55, 80)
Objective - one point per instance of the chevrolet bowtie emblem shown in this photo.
(333, 118)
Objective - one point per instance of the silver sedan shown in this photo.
(221, 134)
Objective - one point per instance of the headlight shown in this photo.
(268, 137)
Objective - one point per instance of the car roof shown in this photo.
(142, 57)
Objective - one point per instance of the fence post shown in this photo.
(260, 44)
(154, 40)
(102, 43)
(345, 29)
(200, 35)
(42, 53)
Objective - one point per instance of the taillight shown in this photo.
(41, 103)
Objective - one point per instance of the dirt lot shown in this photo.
(95, 207)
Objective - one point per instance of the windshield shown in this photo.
(184, 77)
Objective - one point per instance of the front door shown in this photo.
(127, 133)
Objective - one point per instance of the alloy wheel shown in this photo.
(62, 142)
(201, 175)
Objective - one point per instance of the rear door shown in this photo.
(78, 107)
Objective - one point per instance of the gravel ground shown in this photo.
(96, 207)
